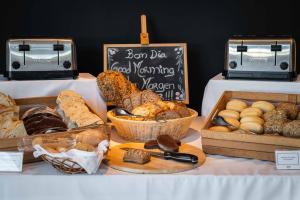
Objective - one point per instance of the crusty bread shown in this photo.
(6, 100)
(12, 129)
(127, 103)
(136, 99)
(167, 114)
(148, 96)
(72, 108)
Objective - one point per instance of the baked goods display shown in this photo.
(10, 125)
(259, 117)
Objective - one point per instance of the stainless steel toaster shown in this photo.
(40, 59)
(260, 58)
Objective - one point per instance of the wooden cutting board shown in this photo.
(156, 165)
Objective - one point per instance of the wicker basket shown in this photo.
(64, 165)
(142, 131)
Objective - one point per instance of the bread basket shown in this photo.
(142, 131)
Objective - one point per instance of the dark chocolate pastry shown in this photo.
(137, 156)
(167, 143)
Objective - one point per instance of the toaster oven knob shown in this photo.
(67, 64)
(16, 65)
(284, 65)
(232, 64)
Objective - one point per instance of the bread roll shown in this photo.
(219, 129)
(253, 127)
(251, 112)
(263, 105)
(229, 113)
(252, 119)
(233, 122)
(291, 108)
(236, 105)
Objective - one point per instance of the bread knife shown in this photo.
(180, 157)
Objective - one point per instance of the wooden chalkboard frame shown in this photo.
(184, 45)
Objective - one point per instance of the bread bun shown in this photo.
(263, 105)
(251, 112)
(233, 122)
(219, 129)
(252, 119)
(253, 127)
(229, 113)
(236, 105)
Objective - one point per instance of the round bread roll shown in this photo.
(236, 105)
(291, 108)
(263, 105)
(219, 129)
(233, 122)
(292, 129)
(251, 112)
(274, 126)
(253, 127)
(252, 119)
(229, 113)
(274, 115)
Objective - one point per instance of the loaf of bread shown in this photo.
(114, 86)
(73, 110)
(6, 101)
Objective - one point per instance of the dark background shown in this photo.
(204, 25)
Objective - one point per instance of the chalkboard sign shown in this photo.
(159, 67)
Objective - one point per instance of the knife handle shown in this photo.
(181, 157)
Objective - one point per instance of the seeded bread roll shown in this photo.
(275, 126)
(274, 115)
(292, 129)
(291, 108)
(148, 96)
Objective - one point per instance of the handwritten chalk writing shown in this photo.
(159, 87)
(137, 56)
(143, 71)
(157, 54)
(116, 67)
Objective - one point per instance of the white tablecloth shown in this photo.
(217, 85)
(85, 85)
(219, 178)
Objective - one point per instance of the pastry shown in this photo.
(263, 105)
(274, 115)
(219, 129)
(290, 108)
(252, 111)
(252, 119)
(167, 143)
(274, 126)
(229, 113)
(236, 105)
(253, 127)
(73, 110)
(292, 129)
(137, 156)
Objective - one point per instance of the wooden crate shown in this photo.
(260, 147)
(11, 144)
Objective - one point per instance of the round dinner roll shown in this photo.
(252, 111)
(263, 105)
(219, 129)
(236, 105)
(229, 113)
(253, 127)
(252, 119)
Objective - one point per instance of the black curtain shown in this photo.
(205, 25)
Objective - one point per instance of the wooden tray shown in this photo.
(11, 144)
(156, 165)
(260, 147)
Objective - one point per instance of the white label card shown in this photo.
(289, 159)
(11, 161)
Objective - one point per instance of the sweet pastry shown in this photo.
(252, 119)
(263, 105)
(114, 86)
(292, 129)
(290, 108)
(229, 113)
(73, 110)
(137, 156)
(219, 129)
(167, 143)
(252, 111)
(236, 105)
(253, 127)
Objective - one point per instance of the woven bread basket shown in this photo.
(142, 131)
